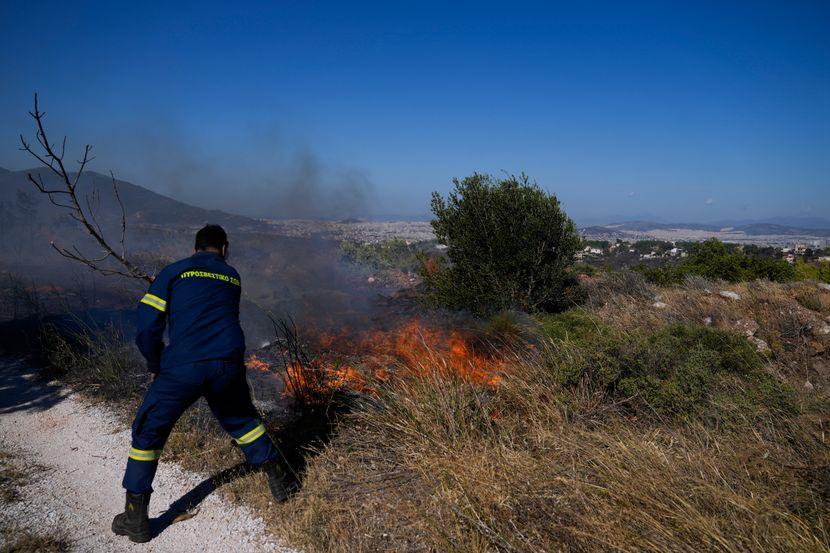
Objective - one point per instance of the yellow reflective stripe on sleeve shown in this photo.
(252, 435)
(145, 454)
(154, 301)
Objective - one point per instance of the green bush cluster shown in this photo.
(809, 271)
(509, 245)
(715, 260)
(683, 371)
(387, 254)
(648, 246)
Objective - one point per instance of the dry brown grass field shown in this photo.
(646, 419)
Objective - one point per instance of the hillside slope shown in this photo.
(143, 206)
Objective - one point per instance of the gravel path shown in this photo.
(80, 451)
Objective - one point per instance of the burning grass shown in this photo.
(413, 343)
(362, 361)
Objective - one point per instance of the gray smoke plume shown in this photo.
(268, 176)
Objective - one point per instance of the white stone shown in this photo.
(730, 294)
(760, 345)
(747, 327)
(659, 305)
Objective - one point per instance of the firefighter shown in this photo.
(198, 299)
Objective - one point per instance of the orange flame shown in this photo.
(411, 347)
(322, 381)
(414, 346)
(257, 364)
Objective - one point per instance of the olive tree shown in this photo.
(509, 244)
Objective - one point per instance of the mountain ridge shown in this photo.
(750, 228)
(141, 204)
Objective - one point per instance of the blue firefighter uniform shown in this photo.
(197, 299)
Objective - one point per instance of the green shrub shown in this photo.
(575, 325)
(584, 269)
(509, 245)
(661, 276)
(681, 371)
(504, 327)
(648, 246)
(715, 260)
(813, 271)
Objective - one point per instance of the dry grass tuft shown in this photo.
(23, 541)
(16, 540)
(12, 478)
(96, 360)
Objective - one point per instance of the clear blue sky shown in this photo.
(694, 111)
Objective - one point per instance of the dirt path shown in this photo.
(78, 454)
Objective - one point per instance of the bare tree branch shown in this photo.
(88, 219)
(123, 215)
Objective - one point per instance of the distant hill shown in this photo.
(142, 206)
(798, 222)
(644, 226)
(158, 227)
(789, 225)
(749, 230)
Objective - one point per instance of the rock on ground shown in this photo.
(75, 455)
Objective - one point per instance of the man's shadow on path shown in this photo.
(183, 508)
(295, 440)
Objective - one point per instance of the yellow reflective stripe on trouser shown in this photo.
(252, 435)
(145, 454)
(154, 301)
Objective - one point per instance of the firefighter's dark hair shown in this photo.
(211, 236)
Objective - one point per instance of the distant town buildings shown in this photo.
(622, 252)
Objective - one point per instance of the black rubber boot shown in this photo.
(134, 522)
(276, 480)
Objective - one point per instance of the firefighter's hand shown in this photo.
(152, 376)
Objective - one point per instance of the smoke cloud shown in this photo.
(261, 175)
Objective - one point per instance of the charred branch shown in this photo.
(304, 377)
